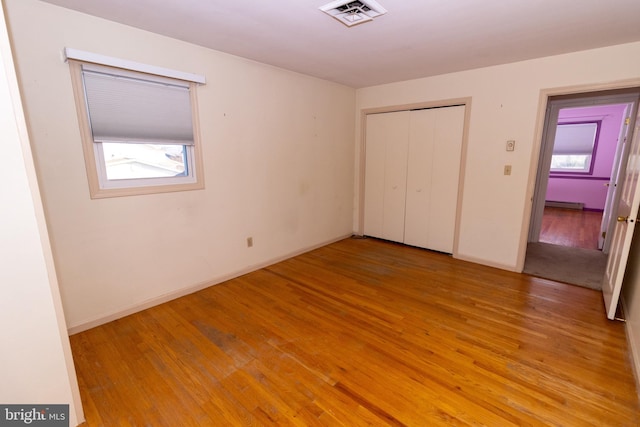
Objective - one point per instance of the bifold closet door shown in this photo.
(386, 175)
(433, 170)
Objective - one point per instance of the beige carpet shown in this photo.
(577, 266)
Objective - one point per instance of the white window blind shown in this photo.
(576, 139)
(133, 107)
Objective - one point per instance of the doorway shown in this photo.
(581, 154)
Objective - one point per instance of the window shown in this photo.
(139, 131)
(574, 147)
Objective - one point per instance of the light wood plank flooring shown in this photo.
(570, 227)
(363, 333)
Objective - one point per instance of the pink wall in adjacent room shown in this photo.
(589, 189)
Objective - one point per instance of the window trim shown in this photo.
(131, 187)
(95, 58)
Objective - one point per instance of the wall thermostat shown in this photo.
(511, 145)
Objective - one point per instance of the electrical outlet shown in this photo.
(249, 242)
(507, 169)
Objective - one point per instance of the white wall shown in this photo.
(278, 164)
(506, 103)
(36, 365)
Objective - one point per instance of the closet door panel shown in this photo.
(395, 192)
(374, 175)
(419, 177)
(445, 177)
(385, 175)
(412, 176)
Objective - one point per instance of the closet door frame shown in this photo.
(466, 102)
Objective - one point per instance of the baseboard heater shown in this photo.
(566, 205)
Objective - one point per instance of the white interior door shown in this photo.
(435, 146)
(419, 177)
(627, 214)
(386, 175)
(611, 202)
(446, 176)
(374, 176)
(395, 180)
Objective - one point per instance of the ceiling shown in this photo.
(415, 38)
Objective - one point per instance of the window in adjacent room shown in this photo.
(139, 131)
(574, 147)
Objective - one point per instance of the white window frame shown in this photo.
(99, 185)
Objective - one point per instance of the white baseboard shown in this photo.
(101, 320)
(486, 263)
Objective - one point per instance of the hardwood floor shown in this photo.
(571, 227)
(363, 333)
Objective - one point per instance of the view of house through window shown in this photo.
(134, 161)
(571, 162)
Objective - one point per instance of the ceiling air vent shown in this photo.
(353, 12)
